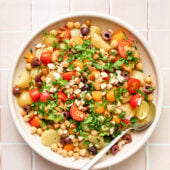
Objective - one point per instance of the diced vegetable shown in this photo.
(118, 36)
(24, 99)
(97, 95)
(35, 121)
(76, 114)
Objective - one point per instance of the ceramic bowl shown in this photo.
(150, 67)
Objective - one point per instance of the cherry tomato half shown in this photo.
(133, 85)
(35, 121)
(44, 96)
(46, 58)
(127, 122)
(106, 79)
(68, 75)
(135, 100)
(62, 96)
(35, 94)
(76, 114)
(72, 96)
(122, 47)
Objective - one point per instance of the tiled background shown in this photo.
(18, 18)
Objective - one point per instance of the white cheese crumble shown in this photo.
(65, 131)
(104, 74)
(80, 138)
(51, 66)
(103, 86)
(48, 80)
(71, 137)
(81, 85)
(78, 69)
(53, 90)
(111, 130)
(56, 75)
(77, 91)
(139, 101)
(39, 45)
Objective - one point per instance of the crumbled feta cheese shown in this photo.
(97, 75)
(113, 81)
(69, 105)
(77, 91)
(48, 80)
(120, 78)
(56, 75)
(78, 69)
(90, 145)
(65, 131)
(80, 107)
(81, 85)
(104, 74)
(53, 90)
(110, 107)
(39, 45)
(103, 86)
(111, 130)
(51, 66)
(103, 93)
(60, 69)
(71, 82)
(71, 137)
(109, 86)
(96, 145)
(77, 102)
(120, 144)
(80, 138)
(118, 72)
(139, 101)
(35, 113)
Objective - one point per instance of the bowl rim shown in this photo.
(105, 17)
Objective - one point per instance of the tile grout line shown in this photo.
(147, 156)
(33, 160)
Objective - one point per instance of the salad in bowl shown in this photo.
(81, 87)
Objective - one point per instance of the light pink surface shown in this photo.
(18, 18)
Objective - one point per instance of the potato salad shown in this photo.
(81, 87)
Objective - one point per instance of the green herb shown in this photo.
(31, 50)
(140, 92)
(98, 66)
(145, 97)
(45, 33)
(62, 53)
(109, 66)
(54, 45)
(122, 115)
(113, 53)
(86, 142)
(125, 38)
(60, 59)
(119, 63)
(133, 120)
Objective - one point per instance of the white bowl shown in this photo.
(150, 67)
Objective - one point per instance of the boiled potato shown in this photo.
(75, 32)
(128, 109)
(50, 137)
(99, 141)
(95, 29)
(24, 99)
(142, 111)
(34, 72)
(138, 75)
(23, 80)
(83, 145)
(50, 40)
(98, 42)
(126, 99)
(150, 115)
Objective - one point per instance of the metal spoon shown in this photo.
(139, 126)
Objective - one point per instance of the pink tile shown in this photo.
(16, 157)
(3, 86)
(10, 135)
(166, 81)
(160, 44)
(159, 157)
(42, 164)
(159, 14)
(90, 5)
(161, 134)
(15, 15)
(9, 44)
(132, 11)
(43, 11)
(136, 162)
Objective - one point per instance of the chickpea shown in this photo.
(26, 118)
(23, 113)
(54, 147)
(70, 24)
(64, 153)
(83, 152)
(96, 56)
(59, 150)
(43, 78)
(53, 32)
(114, 43)
(39, 131)
(56, 125)
(148, 80)
(150, 97)
(76, 149)
(60, 132)
(94, 132)
(63, 127)
(88, 96)
(54, 58)
(76, 155)
(28, 66)
(67, 123)
(33, 130)
(65, 64)
(77, 24)
(60, 145)
(91, 156)
(139, 66)
(88, 23)
(70, 153)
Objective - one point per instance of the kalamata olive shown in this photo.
(106, 35)
(115, 149)
(85, 87)
(16, 91)
(127, 138)
(148, 88)
(84, 31)
(65, 140)
(87, 108)
(125, 74)
(38, 78)
(93, 150)
(66, 114)
(83, 79)
(27, 108)
(39, 84)
(35, 62)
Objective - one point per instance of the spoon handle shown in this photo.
(103, 151)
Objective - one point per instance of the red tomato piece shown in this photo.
(44, 96)
(106, 79)
(72, 96)
(135, 100)
(68, 75)
(35, 94)
(122, 47)
(76, 114)
(62, 96)
(46, 58)
(127, 122)
(35, 121)
(133, 85)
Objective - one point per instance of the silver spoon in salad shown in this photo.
(139, 126)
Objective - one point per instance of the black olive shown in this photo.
(148, 88)
(125, 74)
(93, 150)
(38, 78)
(16, 91)
(106, 35)
(65, 140)
(66, 114)
(85, 87)
(39, 84)
(127, 138)
(84, 31)
(35, 62)
(115, 149)
(27, 108)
